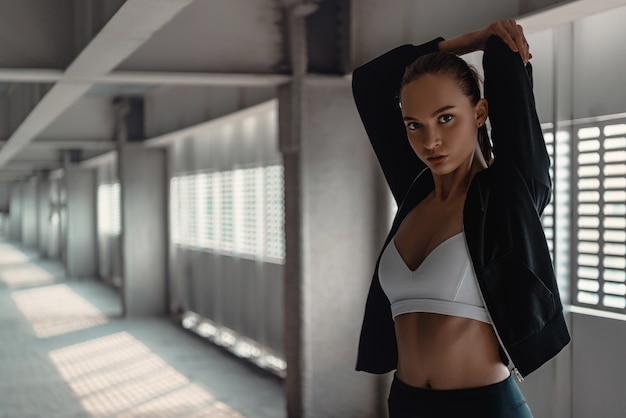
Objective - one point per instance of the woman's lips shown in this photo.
(436, 159)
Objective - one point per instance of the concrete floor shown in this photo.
(65, 352)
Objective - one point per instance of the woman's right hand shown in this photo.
(510, 32)
(507, 29)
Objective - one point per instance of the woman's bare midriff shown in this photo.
(447, 352)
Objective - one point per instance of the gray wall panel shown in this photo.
(43, 214)
(15, 213)
(81, 256)
(340, 212)
(598, 367)
(274, 312)
(226, 288)
(29, 213)
(5, 192)
(144, 222)
(599, 62)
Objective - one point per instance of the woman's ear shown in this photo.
(482, 111)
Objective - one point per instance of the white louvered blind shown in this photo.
(232, 212)
(547, 218)
(600, 212)
(274, 208)
(175, 210)
(109, 209)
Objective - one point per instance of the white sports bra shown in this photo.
(444, 283)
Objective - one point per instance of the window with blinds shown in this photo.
(232, 212)
(600, 215)
(547, 218)
(109, 209)
(274, 212)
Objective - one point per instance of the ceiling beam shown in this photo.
(133, 24)
(145, 78)
(54, 145)
(28, 167)
(560, 13)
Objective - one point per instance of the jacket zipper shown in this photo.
(512, 368)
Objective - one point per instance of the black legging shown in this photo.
(500, 400)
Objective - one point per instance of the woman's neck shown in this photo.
(456, 183)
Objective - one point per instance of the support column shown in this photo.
(336, 214)
(81, 259)
(15, 212)
(334, 207)
(29, 213)
(563, 48)
(43, 213)
(144, 234)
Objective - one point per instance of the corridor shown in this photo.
(66, 352)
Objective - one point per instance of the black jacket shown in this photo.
(501, 221)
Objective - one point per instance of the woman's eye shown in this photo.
(445, 118)
(411, 126)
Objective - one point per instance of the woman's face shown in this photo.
(441, 122)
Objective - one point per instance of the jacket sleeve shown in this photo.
(376, 87)
(516, 132)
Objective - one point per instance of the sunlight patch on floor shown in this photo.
(25, 275)
(9, 255)
(118, 374)
(56, 310)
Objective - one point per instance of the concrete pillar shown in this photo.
(80, 247)
(336, 211)
(29, 213)
(144, 234)
(43, 214)
(563, 212)
(15, 213)
(53, 242)
(5, 197)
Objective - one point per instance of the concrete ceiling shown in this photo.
(63, 62)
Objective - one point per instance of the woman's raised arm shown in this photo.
(516, 132)
(376, 87)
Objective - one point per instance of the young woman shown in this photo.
(464, 293)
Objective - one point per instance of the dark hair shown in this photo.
(442, 63)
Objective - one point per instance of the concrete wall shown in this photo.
(15, 213)
(598, 367)
(43, 214)
(197, 104)
(144, 221)
(598, 64)
(242, 293)
(53, 245)
(340, 205)
(29, 213)
(109, 245)
(5, 197)
(81, 260)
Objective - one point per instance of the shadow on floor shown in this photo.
(66, 352)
